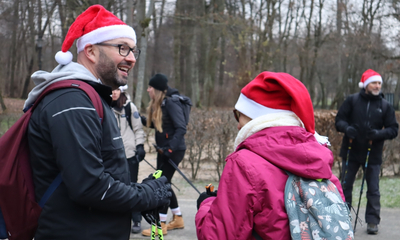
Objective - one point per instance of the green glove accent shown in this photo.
(157, 174)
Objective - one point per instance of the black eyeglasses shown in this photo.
(236, 113)
(123, 49)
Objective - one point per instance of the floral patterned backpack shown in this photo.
(316, 210)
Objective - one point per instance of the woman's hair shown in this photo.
(154, 112)
(121, 100)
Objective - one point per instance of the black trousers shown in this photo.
(168, 171)
(133, 164)
(372, 213)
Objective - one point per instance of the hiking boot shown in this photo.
(136, 228)
(372, 228)
(176, 222)
(147, 232)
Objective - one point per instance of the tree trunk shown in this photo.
(142, 60)
(13, 50)
(177, 41)
(215, 35)
(157, 30)
(129, 21)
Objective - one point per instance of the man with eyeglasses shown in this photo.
(95, 198)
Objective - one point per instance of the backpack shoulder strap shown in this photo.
(128, 113)
(89, 90)
(53, 186)
(354, 99)
(384, 106)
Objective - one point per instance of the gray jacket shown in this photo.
(130, 137)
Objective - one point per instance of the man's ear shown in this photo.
(91, 52)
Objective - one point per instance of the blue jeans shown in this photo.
(372, 213)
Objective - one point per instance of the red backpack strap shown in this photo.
(89, 90)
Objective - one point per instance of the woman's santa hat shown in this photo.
(368, 77)
(95, 25)
(273, 92)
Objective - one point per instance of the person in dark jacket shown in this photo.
(133, 138)
(165, 114)
(367, 120)
(96, 197)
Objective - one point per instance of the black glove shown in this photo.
(150, 216)
(351, 132)
(167, 152)
(373, 134)
(140, 153)
(161, 190)
(143, 119)
(203, 196)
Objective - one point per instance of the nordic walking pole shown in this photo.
(183, 175)
(156, 224)
(156, 170)
(362, 182)
(176, 168)
(347, 164)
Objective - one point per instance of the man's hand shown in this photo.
(160, 188)
(373, 134)
(140, 152)
(162, 194)
(351, 132)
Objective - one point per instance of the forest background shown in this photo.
(210, 49)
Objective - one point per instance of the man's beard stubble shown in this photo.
(108, 72)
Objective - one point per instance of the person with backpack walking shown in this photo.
(363, 117)
(276, 136)
(133, 136)
(166, 115)
(95, 198)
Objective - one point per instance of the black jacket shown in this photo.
(95, 198)
(173, 123)
(363, 112)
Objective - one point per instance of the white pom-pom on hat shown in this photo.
(63, 58)
(360, 84)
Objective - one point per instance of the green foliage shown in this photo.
(145, 23)
(6, 121)
(389, 188)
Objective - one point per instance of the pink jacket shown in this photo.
(251, 189)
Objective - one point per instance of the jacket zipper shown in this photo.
(368, 113)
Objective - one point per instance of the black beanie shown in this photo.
(159, 82)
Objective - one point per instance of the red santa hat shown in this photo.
(94, 25)
(273, 92)
(368, 77)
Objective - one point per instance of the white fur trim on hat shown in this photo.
(63, 58)
(107, 33)
(253, 109)
(375, 78)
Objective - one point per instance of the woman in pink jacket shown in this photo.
(276, 134)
